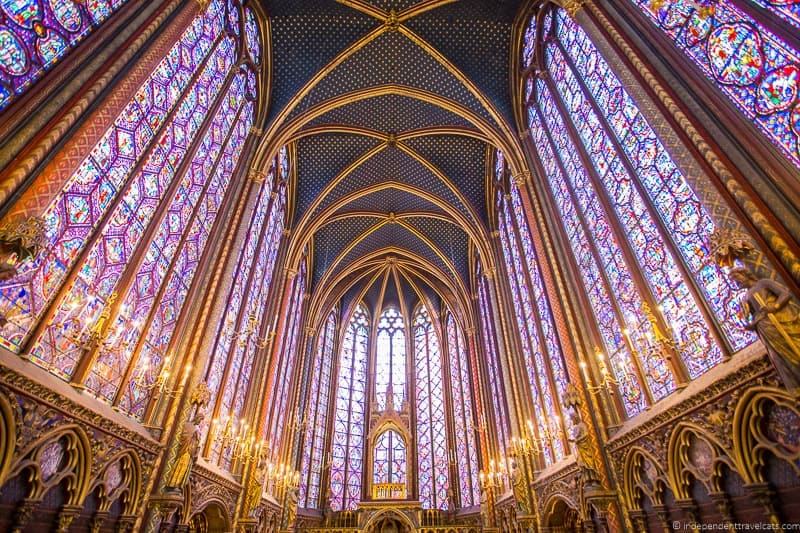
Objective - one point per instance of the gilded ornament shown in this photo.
(190, 440)
(573, 6)
(774, 314)
(579, 436)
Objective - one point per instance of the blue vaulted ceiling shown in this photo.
(389, 104)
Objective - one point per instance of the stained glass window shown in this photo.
(432, 449)
(347, 454)
(279, 390)
(493, 368)
(37, 34)
(241, 332)
(540, 349)
(461, 384)
(749, 64)
(390, 459)
(636, 228)
(85, 199)
(316, 418)
(390, 360)
(129, 229)
(253, 33)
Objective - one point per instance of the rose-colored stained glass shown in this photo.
(462, 387)
(680, 210)
(347, 453)
(37, 34)
(390, 359)
(316, 419)
(192, 208)
(87, 195)
(493, 367)
(241, 331)
(284, 375)
(751, 66)
(94, 288)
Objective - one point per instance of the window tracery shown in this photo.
(35, 35)
(461, 385)
(432, 448)
(127, 231)
(349, 416)
(313, 453)
(637, 230)
(751, 65)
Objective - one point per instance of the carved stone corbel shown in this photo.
(66, 516)
(23, 514)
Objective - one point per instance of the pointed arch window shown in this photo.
(752, 65)
(540, 346)
(347, 453)
(36, 35)
(390, 360)
(279, 392)
(242, 330)
(389, 469)
(637, 230)
(493, 368)
(317, 415)
(128, 230)
(432, 449)
(461, 383)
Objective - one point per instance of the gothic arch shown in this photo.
(642, 476)
(61, 455)
(382, 514)
(125, 483)
(753, 438)
(8, 437)
(695, 454)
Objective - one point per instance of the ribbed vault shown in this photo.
(393, 114)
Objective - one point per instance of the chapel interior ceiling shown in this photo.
(393, 109)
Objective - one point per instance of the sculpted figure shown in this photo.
(190, 440)
(774, 314)
(579, 434)
(187, 454)
(291, 507)
(518, 486)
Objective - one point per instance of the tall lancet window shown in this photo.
(241, 332)
(129, 227)
(390, 462)
(494, 370)
(35, 35)
(390, 360)
(540, 346)
(316, 418)
(637, 230)
(279, 391)
(746, 53)
(432, 450)
(347, 453)
(461, 385)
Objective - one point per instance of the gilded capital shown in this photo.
(521, 177)
(573, 6)
(257, 175)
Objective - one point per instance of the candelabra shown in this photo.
(250, 331)
(494, 477)
(491, 481)
(160, 386)
(607, 381)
